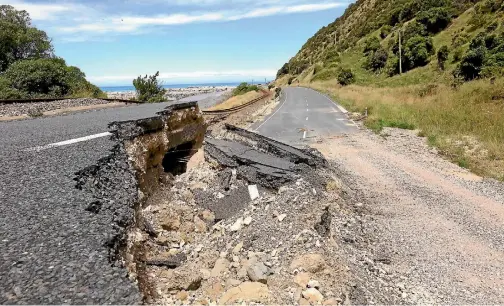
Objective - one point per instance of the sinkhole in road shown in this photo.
(175, 160)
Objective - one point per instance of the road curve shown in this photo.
(304, 115)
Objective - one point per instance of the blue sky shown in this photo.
(188, 41)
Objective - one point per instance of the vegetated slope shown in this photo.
(451, 87)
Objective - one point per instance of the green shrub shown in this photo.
(460, 39)
(346, 77)
(46, 77)
(472, 63)
(8, 92)
(243, 88)
(417, 52)
(371, 44)
(442, 56)
(377, 60)
(149, 89)
(385, 31)
(291, 79)
(392, 67)
(435, 19)
(284, 70)
(457, 55)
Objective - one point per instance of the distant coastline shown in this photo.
(172, 86)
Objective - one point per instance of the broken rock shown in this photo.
(258, 272)
(302, 279)
(313, 295)
(246, 292)
(309, 262)
(220, 266)
(237, 225)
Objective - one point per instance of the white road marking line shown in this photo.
(341, 119)
(306, 118)
(304, 135)
(273, 113)
(68, 142)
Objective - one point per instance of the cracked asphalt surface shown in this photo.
(52, 250)
(304, 110)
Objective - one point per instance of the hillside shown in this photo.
(451, 85)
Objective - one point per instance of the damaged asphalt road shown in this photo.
(52, 249)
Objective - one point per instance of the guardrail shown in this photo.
(265, 95)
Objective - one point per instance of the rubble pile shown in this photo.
(253, 224)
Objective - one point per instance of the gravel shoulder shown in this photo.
(17, 111)
(438, 227)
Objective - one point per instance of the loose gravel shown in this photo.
(19, 109)
(430, 232)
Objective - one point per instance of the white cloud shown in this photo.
(44, 11)
(196, 75)
(131, 24)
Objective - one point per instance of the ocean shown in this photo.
(131, 88)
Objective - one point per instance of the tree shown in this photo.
(19, 40)
(149, 89)
(442, 56)
(346, 77)
(435, 19)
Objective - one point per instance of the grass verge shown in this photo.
(465, 124)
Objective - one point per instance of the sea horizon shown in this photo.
(124, 88)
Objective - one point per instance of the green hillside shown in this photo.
(451, 85)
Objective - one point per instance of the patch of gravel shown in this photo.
(19, 109)
(430, 232)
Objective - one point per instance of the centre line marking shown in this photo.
(306, 118)
(68, 142)
(304, 135)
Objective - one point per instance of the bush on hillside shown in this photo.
(149, 89)
(19, 40)
(371, 44)
(385, 31)
(376, 60)
(417, 52)
(442, 56)
(484, 57)
(435, 19)
(284, 70)
(472, 63)
(243, 88)
(346, 77)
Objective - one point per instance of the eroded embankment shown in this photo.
(119, 184)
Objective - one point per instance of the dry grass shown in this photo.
(467, 124)
(237, 100)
